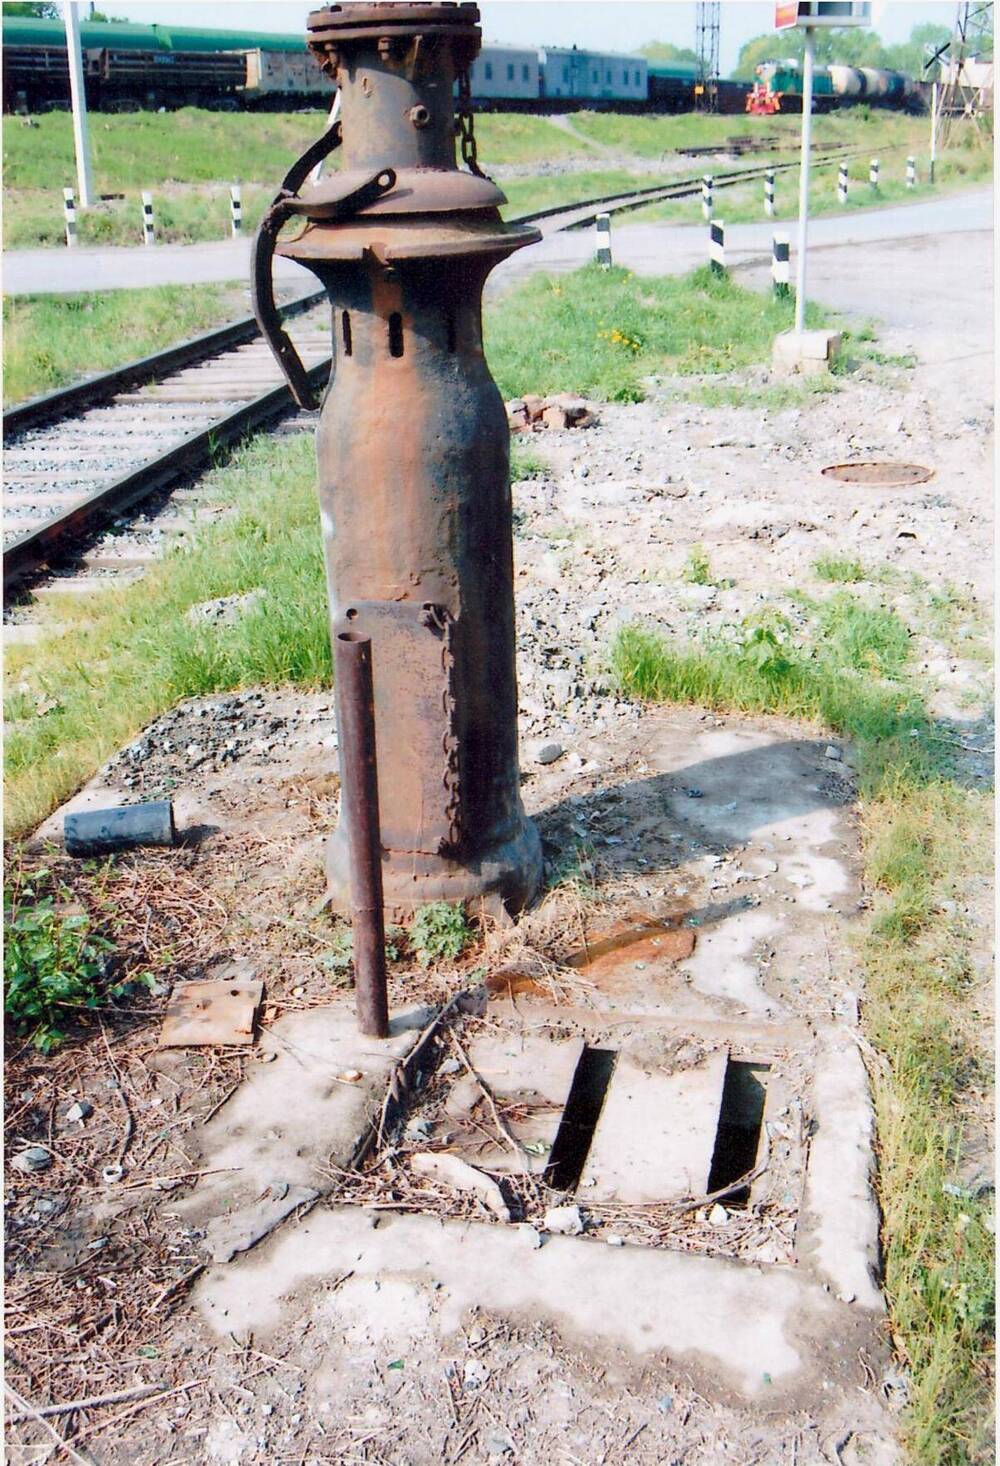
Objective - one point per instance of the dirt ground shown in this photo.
(108, 1289)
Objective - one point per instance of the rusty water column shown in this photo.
(413, 447)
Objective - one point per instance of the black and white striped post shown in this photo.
(781, 269)
(842, 184)
(911, 172)
(873, 173)
(769, 193)
(236, 207)
(148, 226)
(603, 222)
(69, 211)
(717, 247)
(706, 196)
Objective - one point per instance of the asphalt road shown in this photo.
(645, 248)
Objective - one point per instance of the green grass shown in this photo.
(129, 653)
(922, 836)
(601, 332)
(51, 340)
(771, 398)
(844, 569)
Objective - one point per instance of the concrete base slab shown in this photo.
(806, 352)
(521, 1070)
(303, 1109)
(656, 1135)
(758, 1333)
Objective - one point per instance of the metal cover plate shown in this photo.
(879, 474)
(211, 1013)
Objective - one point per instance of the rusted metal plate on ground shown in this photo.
(211, 1013)
(637, 938)
(879, 475)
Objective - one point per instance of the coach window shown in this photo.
(524, 72)
(510, 71)
(566, 74)
(594, 76)
(637, 78)
(489, 71)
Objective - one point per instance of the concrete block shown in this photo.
(806, 352)
(656, 1135)
(530, 1072)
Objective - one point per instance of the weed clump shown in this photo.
(439, 932)
(54, 963)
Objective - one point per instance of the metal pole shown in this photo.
(800, 260)
(934, 121)
(359, 811)
(79, 98)
(603, 223)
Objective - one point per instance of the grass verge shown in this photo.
(923, 836)
(601, 332)
(50, 340)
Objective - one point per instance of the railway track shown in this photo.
(89, 456)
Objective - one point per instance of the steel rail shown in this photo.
(31, 550)
(65, 401)
(683, 188)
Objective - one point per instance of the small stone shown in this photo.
(718, 1216)
(532, 1237)
(475, 1374)
(694, 793)
(614, 1240)
(350, 1076)
(665, 1404)
(79, 1112)
(847, 1297)
(831, 751)
(555, 417)
(450, 1066)
(35, 1158)
(565, 1221)
(548, 753)
(111, 1174)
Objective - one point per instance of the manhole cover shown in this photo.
(879, 475)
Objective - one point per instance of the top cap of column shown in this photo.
(356, 22)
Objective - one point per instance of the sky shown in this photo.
(614, 25)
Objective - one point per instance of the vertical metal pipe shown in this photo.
(800, 259)
(359, 812)
(78, 96)
(934, 127)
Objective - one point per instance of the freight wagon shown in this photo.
(836, 86)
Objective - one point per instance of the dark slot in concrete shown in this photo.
(580, 1117)
(741, 1116)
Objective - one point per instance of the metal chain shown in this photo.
(466, 125)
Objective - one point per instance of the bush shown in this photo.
(52, 961)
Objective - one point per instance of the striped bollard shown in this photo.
(604, 241)
(69, 210)
(842, 184)
(873, 173)
(781, 270)
(148, 227)
(706, 196)
(769, 193)
(911, 172)
(717, 247)
(236, 208)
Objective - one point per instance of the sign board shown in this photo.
(788, 13)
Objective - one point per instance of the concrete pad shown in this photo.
(527, 1071)
(753, 1331)
(656, 1135)
(806, 352)
(296, 1118)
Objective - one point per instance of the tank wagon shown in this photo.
(129, 66)
(837, 86)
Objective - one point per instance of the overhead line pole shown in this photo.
(78, 95)
(800, 258)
